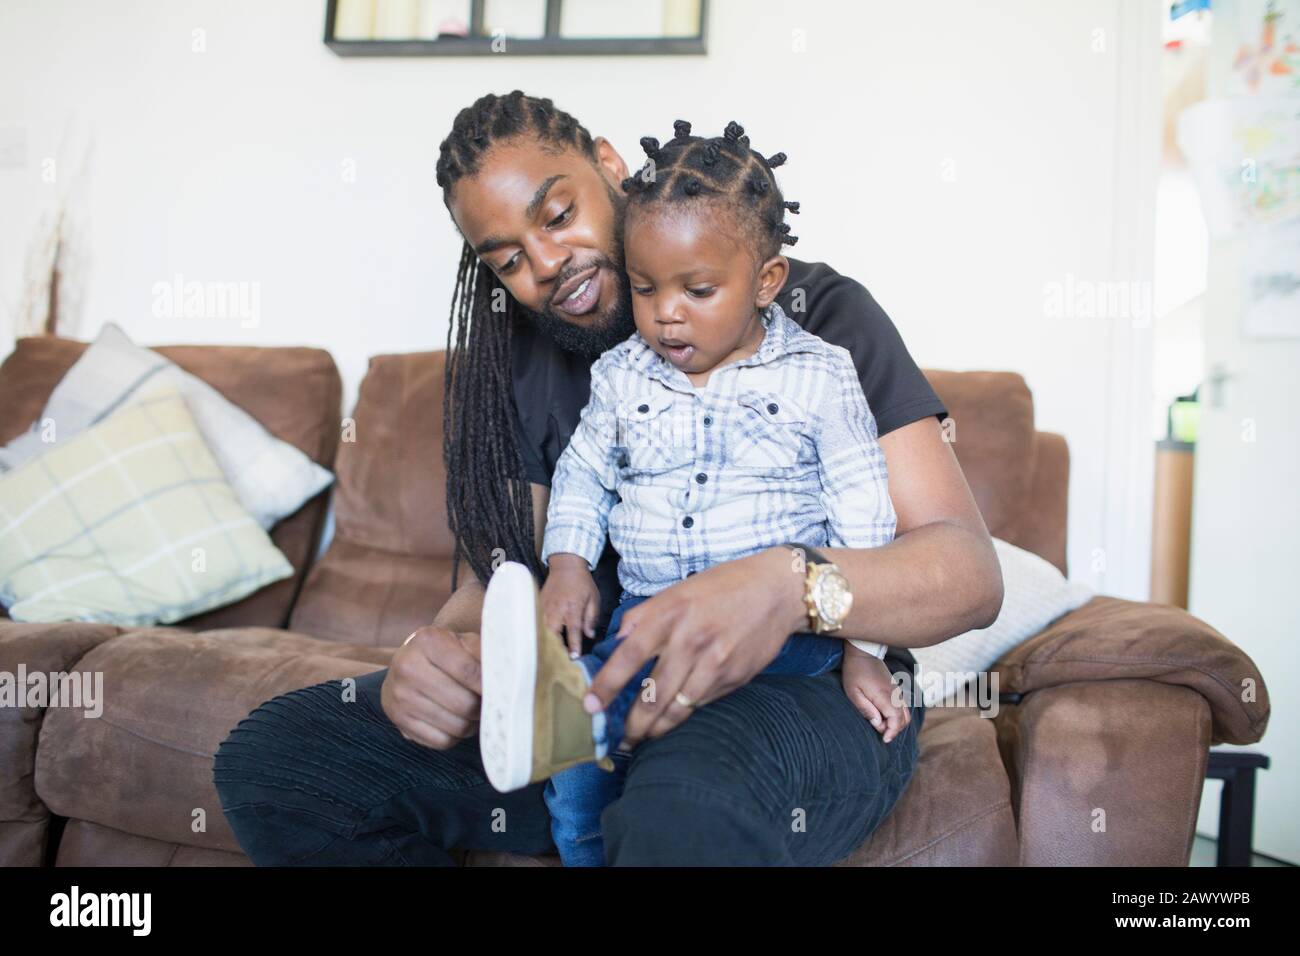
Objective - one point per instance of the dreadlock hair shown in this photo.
(489, 504)
(723, 171)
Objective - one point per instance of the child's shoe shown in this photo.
(531, 722)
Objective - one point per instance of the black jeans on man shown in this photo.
(784, 771)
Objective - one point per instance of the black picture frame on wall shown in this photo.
(550, 44)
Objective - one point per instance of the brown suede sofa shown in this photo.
(1112, 708)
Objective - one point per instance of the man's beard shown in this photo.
(618, 324)
(591, 340)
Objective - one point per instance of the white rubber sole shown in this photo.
(508, 646)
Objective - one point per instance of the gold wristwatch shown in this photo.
(825, 592)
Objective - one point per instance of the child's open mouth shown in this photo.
(677, 352)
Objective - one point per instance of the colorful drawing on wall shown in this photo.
(1268, 52)
(1245, 155)
(1270, 282)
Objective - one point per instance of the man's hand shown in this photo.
(711, 632)
(570, 599)
(432, 690)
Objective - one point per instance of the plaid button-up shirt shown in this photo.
(778, 447)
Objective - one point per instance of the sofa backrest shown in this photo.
(296, 394)
(1020, 477)
(391, 477)
(388, 567)
(391, 531)
(390, 493)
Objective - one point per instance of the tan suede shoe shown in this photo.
(531, 722)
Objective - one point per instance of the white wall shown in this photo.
(953, 156)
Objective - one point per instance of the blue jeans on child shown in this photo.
(576, 797)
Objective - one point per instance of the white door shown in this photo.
(1245, 559)
(1245, 564)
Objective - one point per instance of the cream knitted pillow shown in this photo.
(1035, 594)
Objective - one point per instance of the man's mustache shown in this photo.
(600, 262)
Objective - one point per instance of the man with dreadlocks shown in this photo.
(395, 777)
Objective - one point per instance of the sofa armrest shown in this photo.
(1113, 639)
(1106, 773)
(34, 649)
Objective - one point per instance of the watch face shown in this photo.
(833, 598)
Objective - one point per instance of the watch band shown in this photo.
(812, 555)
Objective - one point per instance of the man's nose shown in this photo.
(549, 257)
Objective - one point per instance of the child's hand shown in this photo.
(570, 600)
(868, 684)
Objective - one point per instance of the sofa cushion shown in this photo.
(391, 480)
(131, 522)
(1112, 639)
(390, 491)
(363, 595)
(306, 416)
(89, 844)
(388, 567)
(956, 810)
(145, 766)
(500, 858)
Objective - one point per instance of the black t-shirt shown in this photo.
(551, 386)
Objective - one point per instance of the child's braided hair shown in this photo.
(722, 170)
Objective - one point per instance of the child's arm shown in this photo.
(870, 686)
(570, 599)
(582, 495)
(854, 476)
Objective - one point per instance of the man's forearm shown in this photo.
(464, 609)
(930, 584)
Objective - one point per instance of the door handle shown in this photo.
(1219, 375)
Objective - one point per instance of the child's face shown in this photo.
(696, 289)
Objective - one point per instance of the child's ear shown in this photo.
(771, 279)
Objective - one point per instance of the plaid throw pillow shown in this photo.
(130, 523)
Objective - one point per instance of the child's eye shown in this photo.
(562, 218)
(703, 293)
(642, 289)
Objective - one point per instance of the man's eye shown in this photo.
(509, 265)
(703, 293)
(562, 218)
